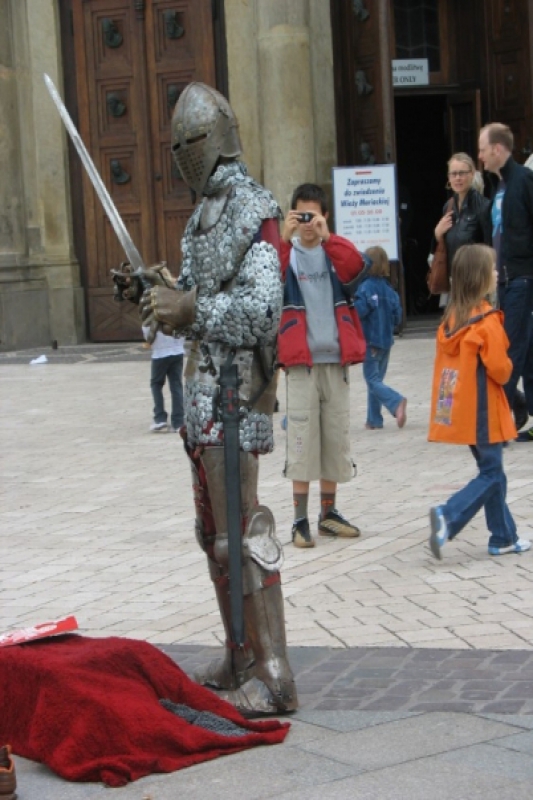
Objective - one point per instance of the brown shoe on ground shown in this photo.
(334, 524)
(401, 413)
(8, 780)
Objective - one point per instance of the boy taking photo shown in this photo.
(320, 336)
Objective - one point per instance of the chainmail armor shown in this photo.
(239, 288)
(239, 297)
(205, 719)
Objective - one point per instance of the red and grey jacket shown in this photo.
(344, 263)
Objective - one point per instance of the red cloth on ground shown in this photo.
(89, 709)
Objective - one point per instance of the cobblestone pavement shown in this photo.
(415, 676)
(99, 516)
(403, 679)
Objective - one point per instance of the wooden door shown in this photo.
(464, 121)
(509, 25)
(363, 82)
(363, 90)
(132, 59)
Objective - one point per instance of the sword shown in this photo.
(229, 410)
(133, 255)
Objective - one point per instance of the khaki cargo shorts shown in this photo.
(318, 424)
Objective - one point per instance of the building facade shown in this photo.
(311, 83)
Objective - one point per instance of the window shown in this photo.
(417, 31)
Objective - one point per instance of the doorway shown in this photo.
(422, 150)
(128, 63)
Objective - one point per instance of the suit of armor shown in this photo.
(231, 271)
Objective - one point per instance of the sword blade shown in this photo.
(117, 223)
(229, 391)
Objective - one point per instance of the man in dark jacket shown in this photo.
(512, 237)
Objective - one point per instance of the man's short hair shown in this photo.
(310, 193)
(498, 133)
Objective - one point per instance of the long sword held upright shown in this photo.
(117, 223)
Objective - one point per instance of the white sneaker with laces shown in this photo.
(520, 546)
(158, 427)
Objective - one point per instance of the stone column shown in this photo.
(323, 92)
(280, 66)
(40, 294)
(11, 194)
(243, 77)
(287, 124)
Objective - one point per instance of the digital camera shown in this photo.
(305, 216)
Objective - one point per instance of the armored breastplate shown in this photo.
(213, 254)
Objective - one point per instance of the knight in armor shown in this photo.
(227, 303)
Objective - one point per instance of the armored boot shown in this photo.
(236, 665)
(272, 689)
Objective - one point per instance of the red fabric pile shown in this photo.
(89, 709)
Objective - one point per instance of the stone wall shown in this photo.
(41, 299)
(280, 66)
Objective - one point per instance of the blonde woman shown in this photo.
(467, 219)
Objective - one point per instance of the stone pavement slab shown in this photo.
(396, 756)
(415, 676)
(399, 680)
(99, 516)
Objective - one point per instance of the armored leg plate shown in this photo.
(235, 667)
(266, 686)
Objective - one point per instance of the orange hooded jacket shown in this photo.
(468, 404)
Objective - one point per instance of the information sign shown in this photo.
(410, 72)
(366, 207)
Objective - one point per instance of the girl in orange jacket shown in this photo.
(468, 403)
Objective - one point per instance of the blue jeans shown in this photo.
(527, 375)
(374, 371)
(488, 489)
(170, 367)
(516, 302)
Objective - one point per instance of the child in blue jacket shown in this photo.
(379, 309)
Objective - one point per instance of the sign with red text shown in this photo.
(41, 630)
(365, 202)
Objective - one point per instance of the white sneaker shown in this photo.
(520, 546)
(158, 427)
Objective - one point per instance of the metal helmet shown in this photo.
(204, 128)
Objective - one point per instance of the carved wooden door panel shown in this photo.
(464, 119)
(363, 81)
(509, 66)
(132, 59)
(179, 50)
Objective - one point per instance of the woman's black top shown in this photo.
(471, 223)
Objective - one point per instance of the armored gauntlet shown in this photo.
(130, 284)
(172, 308)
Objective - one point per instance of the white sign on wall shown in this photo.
(408, 72)
(366, 208)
